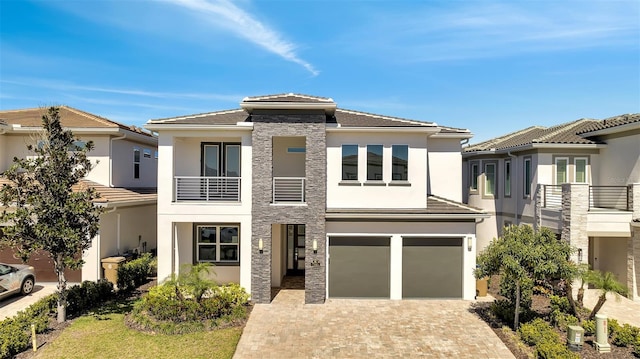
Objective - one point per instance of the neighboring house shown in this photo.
(125, 172)
(580, 179)
(362, 205)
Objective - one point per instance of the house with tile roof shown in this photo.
(124, 175)
(354, 204)
(580, 179)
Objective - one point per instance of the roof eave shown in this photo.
(614, 129)
(240, 126)
(127, 203)
(461, 135)
(329, 107)
(443, 216)
(414, 129)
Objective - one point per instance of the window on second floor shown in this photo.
(527, 177)
(220, 159)
(490, 179)
(400, 163)
(581, 169)
(507, 178)
(136, 163)
(562, 166)
(349, 162)
(473, 176)
(374, 162)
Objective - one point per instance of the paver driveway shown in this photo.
(355, 328)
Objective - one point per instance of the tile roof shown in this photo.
(435, 206)
(350, 118)
(288, 97)
(612, 122)
(566, 133)
(225, 117)
(109, 195)
(69, 116)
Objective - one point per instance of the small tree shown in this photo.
(607, 283)
(43, 211)
(523, 256)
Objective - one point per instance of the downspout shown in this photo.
(111, 157)
(515, 170)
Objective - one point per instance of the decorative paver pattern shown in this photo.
(361, 328)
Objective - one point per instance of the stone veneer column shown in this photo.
(537, 221)
(633, 245)
(312, 215)
(575, 205)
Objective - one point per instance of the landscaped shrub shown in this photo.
(560, 303)
(88, 295)
(613, 327)
(547, 341)
(134, 273)
(554, 350)
(562, 320)
(15, 332)
(626, 336)
(589, 327)
(504, 310)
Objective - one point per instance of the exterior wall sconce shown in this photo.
(469, 243)
(579, 255)
(260, 246)
(314, 244)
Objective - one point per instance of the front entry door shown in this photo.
(295, 249)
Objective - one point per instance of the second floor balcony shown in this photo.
(289, 190)
(209, 189)
(602, 198)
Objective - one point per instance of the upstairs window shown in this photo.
(527, 177)
(473, 176)
(136, 163)
(561, 170)
(400, 163)
(581, 170)
(146, 153)
(507, 178)
(349, 162)
(374, 162)
(490, 179)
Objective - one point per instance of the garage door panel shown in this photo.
(359, 267)
(432, 268)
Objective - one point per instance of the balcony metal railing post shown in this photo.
(210, 189)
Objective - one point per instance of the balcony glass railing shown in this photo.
(194, 188)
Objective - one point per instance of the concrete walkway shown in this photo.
(359, 328)
(623, 310)
(12, 305)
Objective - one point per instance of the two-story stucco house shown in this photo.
(581, 179)
(361, 205)
(124, 175)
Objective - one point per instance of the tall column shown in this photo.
(575, 206)
(633, 245)
(537, 223)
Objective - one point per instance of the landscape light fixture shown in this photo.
(260, 245)
(579, 255)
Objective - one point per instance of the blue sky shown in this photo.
(492, 67)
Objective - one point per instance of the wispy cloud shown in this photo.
(467, 30)
(245, 25)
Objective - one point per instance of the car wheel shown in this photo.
(27, 286)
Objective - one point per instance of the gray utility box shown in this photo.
(575, 337)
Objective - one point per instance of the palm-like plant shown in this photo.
(607, 283)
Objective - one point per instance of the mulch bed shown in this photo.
(540, 304)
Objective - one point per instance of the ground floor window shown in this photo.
(217, 243)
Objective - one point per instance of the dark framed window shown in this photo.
(349, 162)
(527, 177)
(220, 159)
(473, 176)
(217, 243)
(490, 179)
(507, 178)
(136, 163)
(374, 162)
(399, 162)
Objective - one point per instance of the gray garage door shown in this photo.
(359, 267)
(432, 268)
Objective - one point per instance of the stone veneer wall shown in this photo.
(633, 246)
(264, 214)
(575, 205)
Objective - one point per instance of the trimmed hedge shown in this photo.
(134, 273)
(547, 341)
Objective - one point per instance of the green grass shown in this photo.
(104, 335)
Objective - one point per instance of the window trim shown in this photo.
(375, 180)
(508, 171)
(406, 180)
(527, 182)
(136, 163)
(485, 186)
(218, 226)
(474, 179)
(342, 172)
(586, 169)
(567, 178)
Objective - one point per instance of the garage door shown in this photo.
(432, 268)
(359, 267)
(45, 271)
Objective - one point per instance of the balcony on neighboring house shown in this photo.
(601, 198)
(205, 188)
(289, 189)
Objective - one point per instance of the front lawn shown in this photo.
(104, 335)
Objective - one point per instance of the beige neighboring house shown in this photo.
(580, 179)
(125, 173)
(356, 204)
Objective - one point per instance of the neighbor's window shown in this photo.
(146, 153)
(490, 179)
(581, 169)
(349, 162)
(507, 178)
(473, 176)
(561, 170)
(217, 243)
(136, 163)
(400, 163)
(374, 162)
(527, 176)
